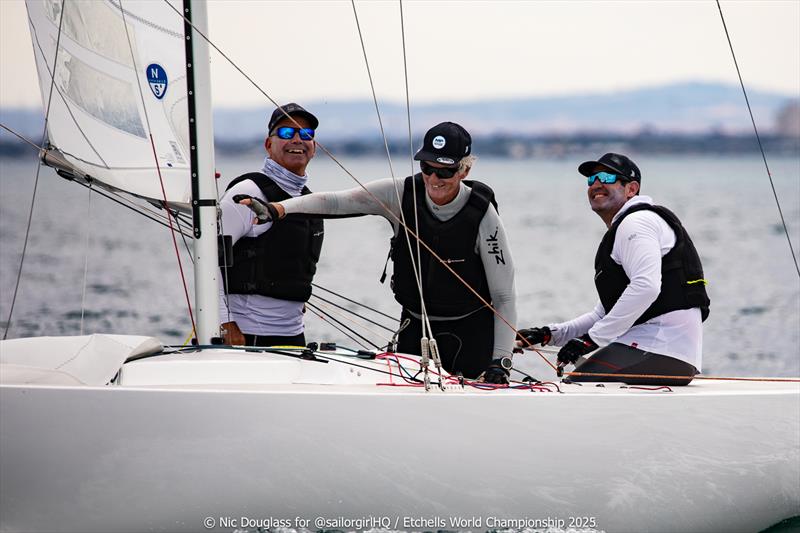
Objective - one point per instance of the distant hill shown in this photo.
(685, 108)
(689, 108)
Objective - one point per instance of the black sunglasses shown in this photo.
(443, 173)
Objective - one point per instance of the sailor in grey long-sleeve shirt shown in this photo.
(491, 243)
(463, 234)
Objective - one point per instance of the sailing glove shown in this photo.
(534, 336)
(496, 373)
(576, 348)
(265, 212)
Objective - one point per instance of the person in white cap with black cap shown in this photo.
(263, 292)
(648, 275)
(458, 219)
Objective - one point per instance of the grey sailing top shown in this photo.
(491, 243)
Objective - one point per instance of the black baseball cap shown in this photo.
(446, 143)
(616, 163)
(293, 110)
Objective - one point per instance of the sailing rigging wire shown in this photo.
(390, 317)
(36, 180)
(317, 312)
(158, 168)
(343, 308)
(404, 227)
(109, 194)
(86, 255)
(224, 270)
(377, 200)
(183, 236)
(758, 138)
(372, 86)
(21, 137)
(425, 320)
(121, 200)
(330, 312)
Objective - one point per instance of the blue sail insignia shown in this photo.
(157, 78)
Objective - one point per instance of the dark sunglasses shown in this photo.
(607, 177)
(443, 173)
(285, 132)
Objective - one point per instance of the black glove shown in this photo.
(264, 212)
(575, 348)
(535, 335)
(496, 373)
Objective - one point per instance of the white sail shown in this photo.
(119, 77)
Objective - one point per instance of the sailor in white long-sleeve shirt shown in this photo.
(261, 296)
(650, 282)
(458, 220)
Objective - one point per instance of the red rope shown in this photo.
(172, 232)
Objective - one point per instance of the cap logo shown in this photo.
(445, 160)
(439, 142)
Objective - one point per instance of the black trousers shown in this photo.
(465, 345)
(618, 358)
(275, 340)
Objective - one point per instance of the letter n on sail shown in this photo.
(157, 78)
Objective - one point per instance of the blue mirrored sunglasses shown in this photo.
(606, 177)
(286, 132)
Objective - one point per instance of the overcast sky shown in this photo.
(459, 50)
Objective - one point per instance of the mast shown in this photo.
(204, 192)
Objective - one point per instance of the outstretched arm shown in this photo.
(381, 195)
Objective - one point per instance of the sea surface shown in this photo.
(128, 267)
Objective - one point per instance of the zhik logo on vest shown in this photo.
(157, 78)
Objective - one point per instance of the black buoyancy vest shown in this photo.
(454, 241)
(280, 262)
(682, 282)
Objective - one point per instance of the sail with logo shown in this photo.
(119, 77)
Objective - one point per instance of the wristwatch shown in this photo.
(506, 363)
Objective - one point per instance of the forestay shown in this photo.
(102, 61)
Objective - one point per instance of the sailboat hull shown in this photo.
(133, 459)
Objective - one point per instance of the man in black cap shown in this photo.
(263, 293)
(459, 221)
(650, 281)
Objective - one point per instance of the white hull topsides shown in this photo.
(232, 434)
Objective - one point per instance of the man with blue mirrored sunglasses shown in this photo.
(263, 292)
(648, 275)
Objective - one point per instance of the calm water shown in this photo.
(133, 285)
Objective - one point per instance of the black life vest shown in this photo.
(280, 262)
(682, 282)
(452, 240)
